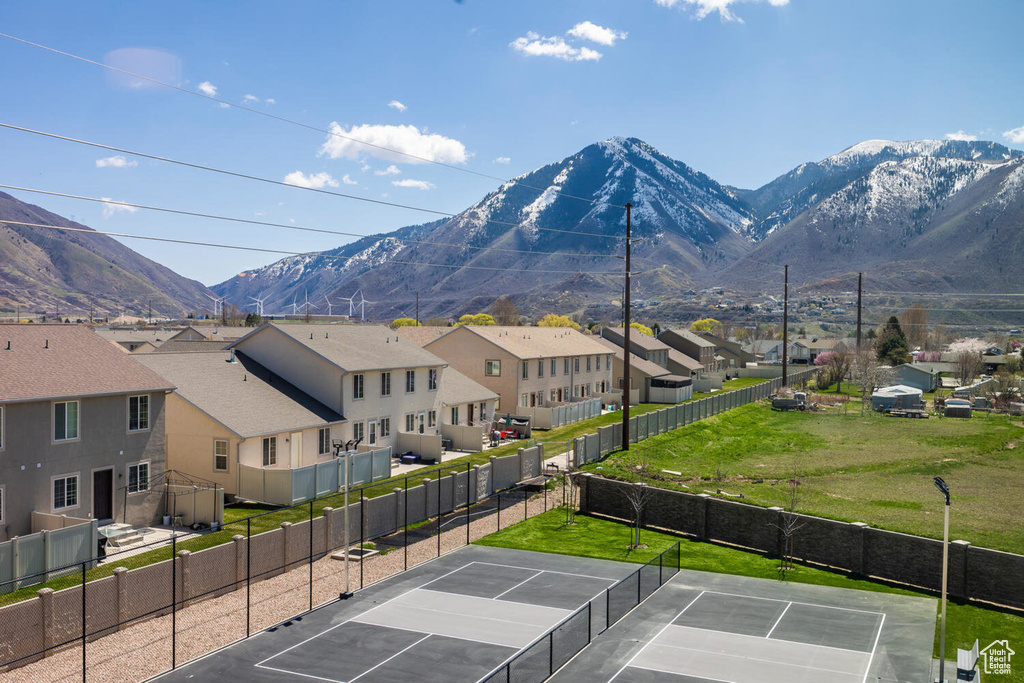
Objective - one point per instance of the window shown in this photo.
(410, 381)
(492, 368)
(138, 477)
(372, 441)
(385, 384)
(220, 455)
(455, 415)
(597, 362)
(588, 363)
(526, 370)
(554, 366)
(65, 421)
(565, 368)
(526, 400)
(540, 368)
(410, 423)
(385, 427)
(431, 419)
(3, 517)
(432, 379)
(138, 413)
(483, 411)
(359, 431)
(357, 386)
(576, 364)
(65, 492)
(269, 451)
(324, 441)
(554, 395)
(1, 431)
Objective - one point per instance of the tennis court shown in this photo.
(457, 618)
(708, 628)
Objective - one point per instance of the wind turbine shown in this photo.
(329, 310)
(362, 305)
(309, 305)
(295, 306)
(259, 304)
(218, 305)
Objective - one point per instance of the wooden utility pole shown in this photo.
(785, 329)
(417, 308)
(860, 283)
(627, 366)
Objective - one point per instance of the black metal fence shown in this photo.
(554, 649)
(131, 615)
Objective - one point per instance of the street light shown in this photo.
(338, 445)
(942, 486)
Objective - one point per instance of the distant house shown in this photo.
(806, 349)
(81, 428)
(653, 383)
(917, 376)
(528, 366)
(768, 350)
(134, 340)
(693, 345)
(684, 366)
(223, 333)
(993, 363)
(228, 410)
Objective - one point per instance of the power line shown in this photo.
(247, 176)
(283, 119)
(560, 271)
(286, 226)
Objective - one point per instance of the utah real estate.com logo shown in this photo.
(997, 657)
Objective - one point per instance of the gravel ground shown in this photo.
(142, 649)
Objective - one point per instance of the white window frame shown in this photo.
(78, 490)
(597, 362)
(359, 431)
(410, 422)
(566, 365)
(385, 384)
(554, 366)
(526, 400)
(216, 455)
(494, 365)
(588, 363)
(371, 433)
(576, 364)
(139, 398)
(385, 427)
(554, 395)
(526, 369)
(269, 454)
(358, 387)
(128, 476)
(78, 421)
(432, 379)
(455, 415)
(431, 418)
(321, 442)
(410, 381)
(483, 410)
(540, 368)
(2, 440)
(3, 503)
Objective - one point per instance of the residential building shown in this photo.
(693, 345)
(684, 366)
(228, 410)
(652, 382)
(135, 340)
(528, 366)
(731, 352)
(81, 428)
(465, 402)
(644, 346)
(806, 349)
(916, 375)
(383, 384)
(768, 350)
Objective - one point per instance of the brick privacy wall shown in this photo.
(974, 573)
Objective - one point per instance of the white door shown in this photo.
(373, 433)
(422, 419)
(296, 442)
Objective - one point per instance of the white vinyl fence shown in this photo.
(291, 486)
(33, 557)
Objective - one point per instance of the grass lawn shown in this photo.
(869, 468)
(607, 540)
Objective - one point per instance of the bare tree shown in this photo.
(789, 524)
(505, 311)
(966, 366)
(914, 322)
(639, 492)
(867, 373)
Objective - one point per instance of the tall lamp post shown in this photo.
(941, 486)
(338, 445)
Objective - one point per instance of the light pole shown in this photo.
(941, 486)
(338, 444)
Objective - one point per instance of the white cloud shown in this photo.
(395, 104)
(1016, 136)
(409, 182)
(703, 8)
(270, 100)
(502, 160)
(596, 34)
(207, 88)
(535, 45)
(960, 135)
(116, 161)
(347, 180)
(248, 99)
(110, 207)
(313, 180)
(390, 170)
(405, 139)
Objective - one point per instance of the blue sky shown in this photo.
(743, 91)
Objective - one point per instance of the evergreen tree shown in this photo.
(892, 346)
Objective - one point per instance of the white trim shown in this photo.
(3, 503)
(3, 440)
(78, 491)
(128, 476)
(53, 421)
(227, 449)
(92, 490)
(128, 413)
(875, 647)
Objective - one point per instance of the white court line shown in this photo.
(518, 585)
(777, 640)
(797, 602)
(549, 571)
(778, 620)
(450, 613)
(389, 659)
(296, 673)
(657, 635)
(448, 635)
(873, 648)
(350, 619)
(676, 673)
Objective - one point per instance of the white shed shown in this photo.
(896, 396)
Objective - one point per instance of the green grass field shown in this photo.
(869, 468)
(607, 540)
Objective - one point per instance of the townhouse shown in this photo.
(228, 411)
(693, 345)
(528, 366)
(81, 428)
(644, 346)
(651, 382)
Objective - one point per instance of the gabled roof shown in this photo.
(916, 367)
(41, 361)
(683, 333)
(680, 358)
(641, 340)
(645, 367)
(897, 390)
(421, 336)
(457, 389)
(181, 346)
(528, 343)
(212, 333)
(244, 396)
(353, 348)
(122, 335)
(761, 346)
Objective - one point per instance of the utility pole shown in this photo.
(860, 283)
(785, 329)
(417, 308)
(627, 366)
(150, 311)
